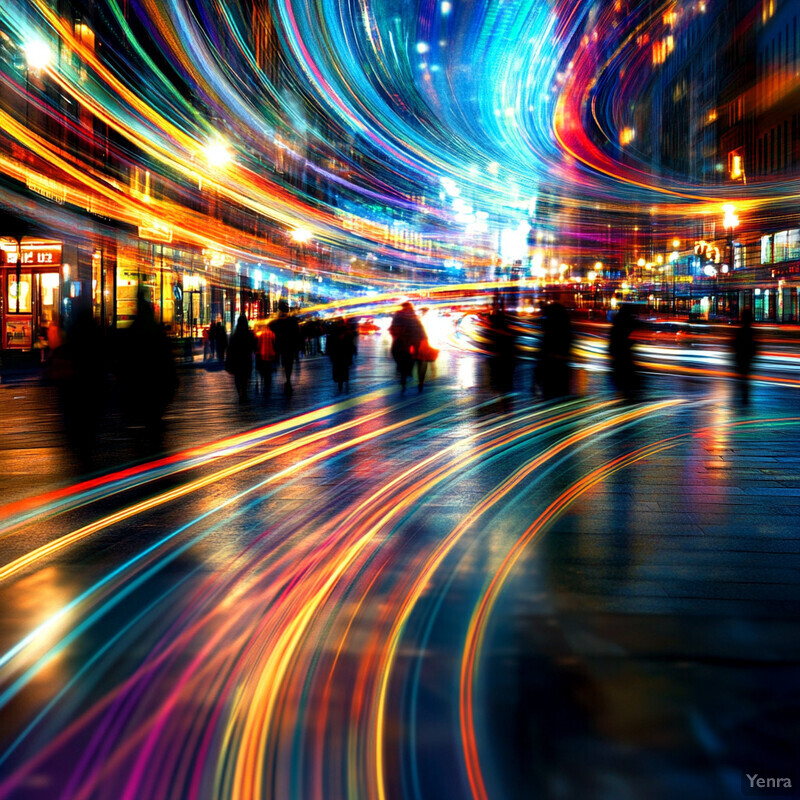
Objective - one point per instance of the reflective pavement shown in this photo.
(451, 594)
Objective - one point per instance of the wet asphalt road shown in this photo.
(451, 594)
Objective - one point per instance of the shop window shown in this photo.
(766, 249)
(739, 260)
(758, 306)
(19, 294)
(779, 252)
(793, 244)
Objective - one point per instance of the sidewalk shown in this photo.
(34, 455)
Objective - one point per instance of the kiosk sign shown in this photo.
(33, 255)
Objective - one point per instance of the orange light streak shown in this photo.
(67, 540)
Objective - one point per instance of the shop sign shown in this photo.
(47, 187)
(156, 231)
(32, 254)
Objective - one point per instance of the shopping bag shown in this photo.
(426, 352)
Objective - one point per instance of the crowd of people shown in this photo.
(280, 344)
(82, 364)
(553, 376)
(139, 359)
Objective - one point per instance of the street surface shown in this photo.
(449, 594)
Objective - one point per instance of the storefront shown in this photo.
(152, 272)
(32, 287)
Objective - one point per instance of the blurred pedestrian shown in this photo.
(555, 348)
(79, 369)
(207, 353)
(620, 349)
(407, 334)
(266, 355)
(239, 361)
(425, 355)
(287, 341)
(220, 336)
(146, 370)
(502, 347)
(311, 331)
(340, 347)
(55, 338)
(744, 351)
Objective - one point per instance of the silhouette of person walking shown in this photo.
(239, 361)
(340, 347)
(407, 334)
(744, 351)
(620, 349)
(502, 346)
(220, 336)
(287, 341)
(79, 369)
(552, 367)
(265, 357)
(146, 369)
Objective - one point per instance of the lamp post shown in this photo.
(37, 58)
(673, 260)
(730, 222)
(595, 275)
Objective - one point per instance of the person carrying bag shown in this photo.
(266, 356)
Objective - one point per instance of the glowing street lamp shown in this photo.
(37, 59)
(37, 54)
(730, 222)
(217, 153)
(301, 235)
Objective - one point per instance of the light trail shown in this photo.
(483, 609)
(44, 506)
(67, 540)
(265, 641)
(408, 603)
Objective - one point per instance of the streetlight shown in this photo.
(673, 267)
(37, 60)
(217, 152)
(301, 235)
(730, 222)
(37, 54)
(593, 276)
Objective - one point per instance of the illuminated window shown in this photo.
(766, 249)
(793, 245)
(19, 292)
(738, 256)
(779, 250)
(735, 167)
